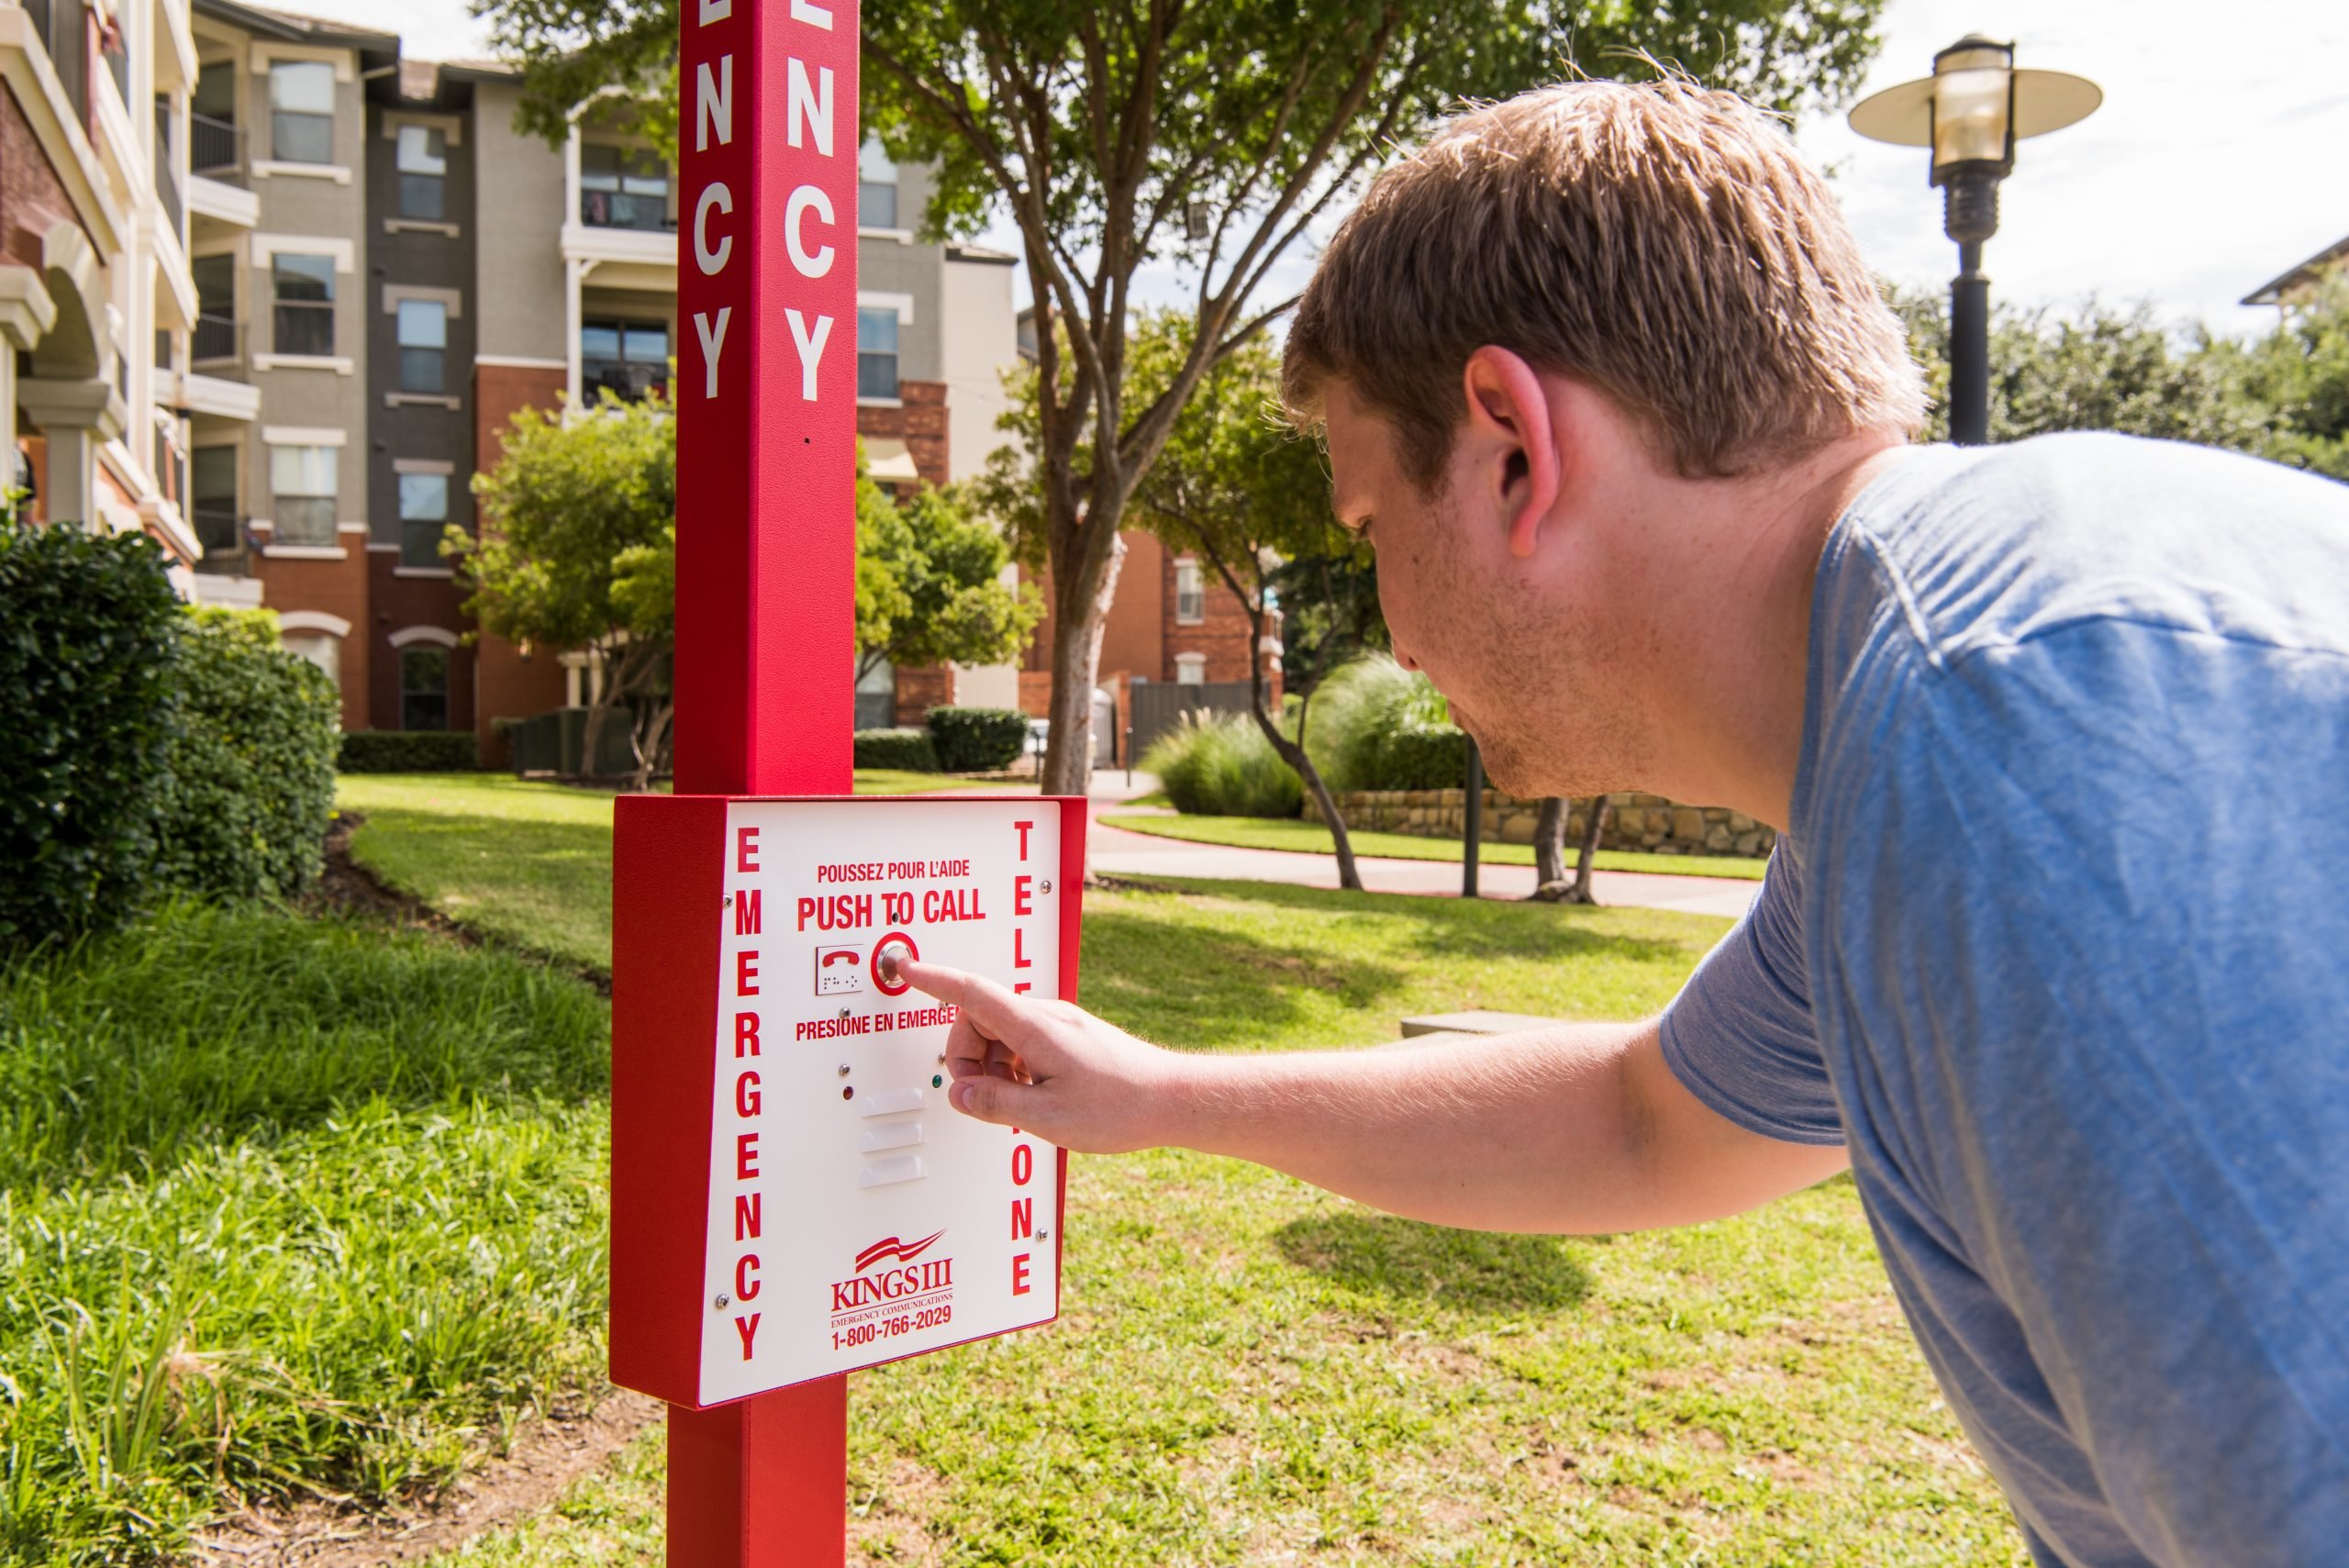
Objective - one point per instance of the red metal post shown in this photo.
(766, 547)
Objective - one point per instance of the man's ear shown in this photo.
(1509, 435)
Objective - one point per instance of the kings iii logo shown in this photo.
(907, 1275)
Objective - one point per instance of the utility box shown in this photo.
(793, 1196)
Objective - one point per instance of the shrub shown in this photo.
(251, 760)
(1221, 765)
(409, 751)
(85, 682)
(908, 749)
(1375, 724)
(978, 739)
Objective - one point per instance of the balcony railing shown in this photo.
(216, 149)
(630, 382)
(221, 532)
(216, 338)
(625, 209)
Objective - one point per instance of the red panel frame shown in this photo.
(668, 852)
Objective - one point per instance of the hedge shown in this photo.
(251, 760)
(978, 739)
(409, 751)
(86, 629)
(905, 749)
(1420, 756)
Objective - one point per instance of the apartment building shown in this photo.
(387, 272)
(97, 301)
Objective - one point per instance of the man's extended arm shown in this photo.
(1580, 1128)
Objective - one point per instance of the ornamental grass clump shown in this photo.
(1221, 765)
(1378, 726)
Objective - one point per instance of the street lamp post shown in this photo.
(1971, 111)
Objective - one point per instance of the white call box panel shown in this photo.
(854, 1216)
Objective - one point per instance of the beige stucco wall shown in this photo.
(978, 341)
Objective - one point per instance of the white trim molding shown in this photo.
(520, 363)
(313, 620)
(873, 299)
(265, 246)
(439, 636)
(303, 436)
(306, 552)
(263, 168)
(339, 365)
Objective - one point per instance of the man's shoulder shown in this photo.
(1988, 547)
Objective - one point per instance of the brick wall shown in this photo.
(337, 588)
(1223, 632)
(399, 603)
(918, 421)
(502, 391)
(508, 686)
(32, 196)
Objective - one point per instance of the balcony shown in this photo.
(215, 149)
(646, 212)
(220, 530)
(216, 338)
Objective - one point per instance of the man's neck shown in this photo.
(1733, 643)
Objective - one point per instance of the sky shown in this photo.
(2215, 164)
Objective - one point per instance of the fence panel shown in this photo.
(1157, 707)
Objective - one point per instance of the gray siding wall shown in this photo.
(520, 198)
(891, 266)
(405, 256)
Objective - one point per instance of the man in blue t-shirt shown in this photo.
(2054, 953)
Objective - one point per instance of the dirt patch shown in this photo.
(546, 1456)
(885, 1525)
(346, 886)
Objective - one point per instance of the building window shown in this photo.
(219, 523)
(304, 291)
(876, 188)
(622, 187)
(323, 649)
(630, 357)
(215, 337)
(301, 493)
(424, 345)
(1190, 593)
(424, 688)
(877, 353)
(877, 696)
(301, 112)
(423, 160)
(424, 517)
(1190, 668)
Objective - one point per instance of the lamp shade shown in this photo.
(1963, 111)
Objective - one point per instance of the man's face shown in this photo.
(1527, 649)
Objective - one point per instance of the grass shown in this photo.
(1311, 837)
(521, 860)
(290, 1205)
(296, 1205)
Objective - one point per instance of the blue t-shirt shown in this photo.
(2057, 943)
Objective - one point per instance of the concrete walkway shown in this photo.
(1115, 852)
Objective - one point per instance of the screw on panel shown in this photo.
(722, 1302)
(844, 1014)
(727, 899)
(1043, 1235)
(1044, 886)
(843, 1069)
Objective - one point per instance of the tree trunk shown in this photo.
(1550, 844)
(1080, 610)
(1591, 832)
(601, 671)
(1550, 886)
(1295, 756)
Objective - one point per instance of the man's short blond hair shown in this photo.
(1659, 242)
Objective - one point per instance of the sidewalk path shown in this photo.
(1115, 852)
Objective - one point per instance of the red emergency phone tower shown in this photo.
(791, 1196)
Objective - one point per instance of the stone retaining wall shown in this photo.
(1646, 822)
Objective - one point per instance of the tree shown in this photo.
(1245, 493)
(578, 549)
(1550, 884)
(2101, 370)
(927, 583)
(1209, 137)
(2298, 376)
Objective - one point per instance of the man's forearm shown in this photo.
(1538, 1131)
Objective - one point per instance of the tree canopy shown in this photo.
(927, 583)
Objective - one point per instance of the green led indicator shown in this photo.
(935, 1080)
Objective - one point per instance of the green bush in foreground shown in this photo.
(978, 739)
(288, 1204)
(86, 625)
(905, 748)
(1221, 765)
(251, 760)
(409, 751)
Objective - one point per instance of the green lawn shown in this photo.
(285, 1206)
(293, 1204)
(1273, 833)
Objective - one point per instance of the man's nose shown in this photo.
(1403, 657)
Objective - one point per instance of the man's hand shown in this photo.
(1051, 1067)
